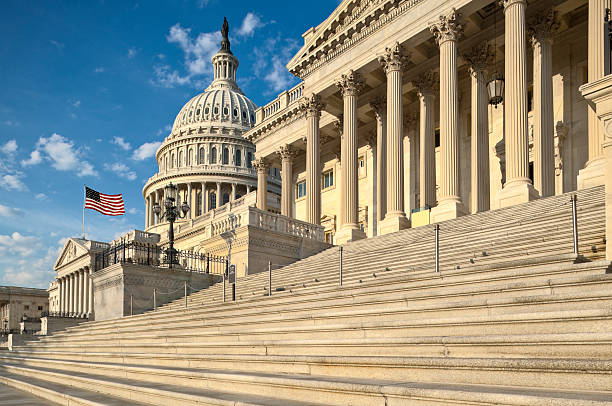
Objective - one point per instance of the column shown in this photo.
(91, 292)
(219, 199)
(85, 292)
(338, 125)
(248, 188)
(147, 212)
(518, 187)
(60, 287)
(71, 294)
(203, 198)
(447, 31)
(79, 292)
(287, 153)
(75, 293)
(593, 172)
(350, 85)
(233, 192)
(312, 107)
(540, 33)
(426, 84)
(190, 200)
(263, 169)
(478, 58)
(395, 217)
(63, 302)
(380, 110)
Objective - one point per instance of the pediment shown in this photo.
(73, 249)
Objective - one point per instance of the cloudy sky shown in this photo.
(91, 88)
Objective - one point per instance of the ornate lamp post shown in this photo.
(171, 214)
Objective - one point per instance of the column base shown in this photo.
(393, 223)
(447, 210)
(593, 174)
(348, 234)
(515, 193)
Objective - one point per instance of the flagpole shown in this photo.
(84, 194)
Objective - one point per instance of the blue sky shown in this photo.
(90, 89)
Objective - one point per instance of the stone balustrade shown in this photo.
(282, 101)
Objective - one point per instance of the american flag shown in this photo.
(110, 205)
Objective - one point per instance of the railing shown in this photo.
(152, 255)
(282, 101)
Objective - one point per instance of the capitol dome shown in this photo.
(205, 155)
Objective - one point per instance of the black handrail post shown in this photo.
(269, 278)
(574, 198)
(341, 249)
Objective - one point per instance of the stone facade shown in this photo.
(16, 302)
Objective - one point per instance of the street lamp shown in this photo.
(171, 214)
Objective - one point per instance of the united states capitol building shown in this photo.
(422, 220)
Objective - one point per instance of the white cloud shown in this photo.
(6, 211)
(62, 154)
(250, 23)
(99, 69)
(19, 244)
(201, 3)
(31, 263)
(12, 123)
(132, 52)
(272, 57)
(121, 143)
(57, 44)
(76, 103)
(12, 182)
(146, 150)
(121, 170)
(164, 130)
(10, 147)
(197, 53)
(41, 196)
(134, 210)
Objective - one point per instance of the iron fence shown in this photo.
(152, 255)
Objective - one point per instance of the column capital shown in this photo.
(543, 26)
(379, 105)
(350, 84)
(312, 105)
(339, 124)
(449, 27)
(287, 152)
(426, 83)
(394, 58)
(508, 3)
(372, 138)
(411, 120)
(479, 57)
(262, 165)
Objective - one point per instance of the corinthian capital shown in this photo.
(312, 105)
(262, 165)
(479, 56)
(379, 105)
(543, 26)
(426, 83)
(350, 84)
(449, 27)
(394, 58)
(507, 3)
(339, 124)
(286, 152)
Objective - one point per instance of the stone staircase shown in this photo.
(512, 318)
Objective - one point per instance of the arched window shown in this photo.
(225, 156)
(213, 155)
(249, 162)
(238, 157)
(198, 204)
(212, 201)
(225, 198)
(165, 163)
(190, 157)
(172, 161)
(201, 157)
(180, 161)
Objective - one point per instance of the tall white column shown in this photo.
(190, 200)
(263, 168)
(312, 107)
(219, 198)
(79, 292)
(203, 199)
(60, 285)
(518, 187)
(426, 85)
(395, 217)
(447, 31)
(147, 213)
(71, 294)
(478, 58)
(91, 292)
(350, 85)
(85, 291)
(540, 33)
(233, 191)
(593, 172)
(287, 154)
(380, 110)
(63, 304)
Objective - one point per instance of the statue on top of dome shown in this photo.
(225, 44)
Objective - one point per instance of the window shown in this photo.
(244, 115)
(362, 166)
(530, 98)
(238, 157)
(198, 205)
(252, 118)
(225, 111)
(235, 112)
(531, 171)
(437, 138)
(180, 161)
(40, 307)
(213, 155)
(225, 156)
(249, 162)
(216, 110)
(172, 161)
(212, 201)
(329, 237)
(201, 157)
(26, 307)
(301, 189)
(328, 179)
(207, 110)
(197, 112)
(225, 198)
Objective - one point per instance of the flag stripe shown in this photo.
(110, 205)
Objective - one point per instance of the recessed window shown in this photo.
(225, 156)
(235, 112)
(437, 138)
(328, 179)
(362, 166)
(225, 111)
(238, 157)
(225, 198)
(249, 162)
(197, 112)
(216, 110)
(301, 189)
(190, 113)
(40, 307)
(252, 118)
(207, 110)
(26, 307)
(244, 115)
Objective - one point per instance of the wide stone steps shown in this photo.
(408, 294)
(312, 384)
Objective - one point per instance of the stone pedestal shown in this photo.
(393, 224)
